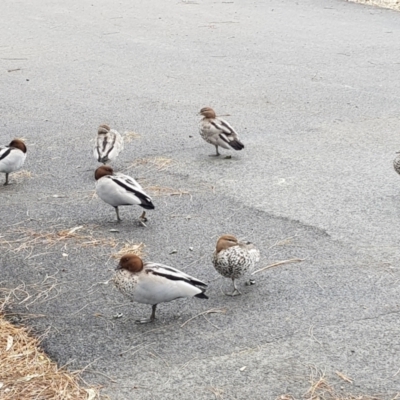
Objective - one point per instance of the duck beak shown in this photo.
(118, 267)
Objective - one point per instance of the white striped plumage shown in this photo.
(12, 157)
(109, 143)
(154, 283)
(120, 190)
(157, 283)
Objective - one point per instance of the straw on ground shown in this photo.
(292, 260)
(29, 240)
(153, 163)
(130, 135)
(393, 4)
(130, 247)
(28, 373)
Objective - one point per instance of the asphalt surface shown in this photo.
(313, 89)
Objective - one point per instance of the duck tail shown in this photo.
(201, 295)
(236, 144)
(146, 204)
(254, 254)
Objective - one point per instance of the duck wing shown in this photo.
(128, 186)
(108, 146)
(226, 133)
(173, 274)
(11, 159)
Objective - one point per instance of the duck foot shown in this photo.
(143, 219)
(145, 321)
(235, 290)
(216, 152)
(234, 293)
(227, 157)
(152, 316)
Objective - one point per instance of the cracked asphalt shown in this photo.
(312, 88)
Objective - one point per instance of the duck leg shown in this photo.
(6, 183)
(217, 152)
(143, 219)
(236, 291)
(117, 211)
(148, 320)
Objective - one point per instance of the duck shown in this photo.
(396, 163)
(153, 283)
(12, 157)
(109, 143)
(233, 258)
(217, 131)
(121, 190)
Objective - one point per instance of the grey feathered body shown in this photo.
(235, 261)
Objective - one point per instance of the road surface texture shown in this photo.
(313, 89)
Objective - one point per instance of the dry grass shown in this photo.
(153, 163)
(130, 247)
(26, 239)
(321, 389)
(130, 135)
(21, 175)
(211, 311)
(27, 373)
(167, 191)
(217, 392)
(393, 4)
(34, 243)
(278, 263)
(27, 294)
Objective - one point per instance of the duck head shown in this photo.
(207, 112)
(18, 144)
(226, 241)
(130, 262)
(103, 129)
(103, 171)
